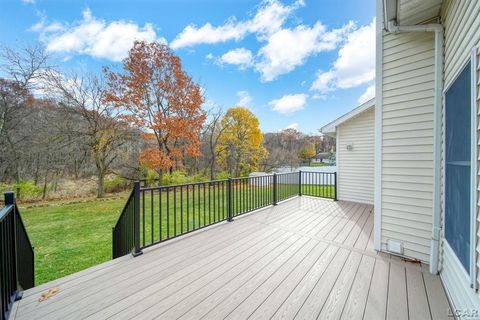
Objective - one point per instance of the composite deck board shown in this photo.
(271, 304)
(140, 275)
(305, 258)
(376, 305)
(418, 308)
(397, 305)
(355, 304)
(191, 281)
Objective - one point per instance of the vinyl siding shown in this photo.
(461, 20)
(407, 141)
(356, 167)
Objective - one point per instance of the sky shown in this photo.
(294, 63)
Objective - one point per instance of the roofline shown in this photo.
(331, 128)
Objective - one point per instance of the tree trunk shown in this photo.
(100, 184)
(45, 184)
(212, 168)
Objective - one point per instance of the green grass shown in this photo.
(320, 164)
(72, 237)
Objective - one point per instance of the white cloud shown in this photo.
(241, 57)
(94, 37)
(289, 103)
(245, 99)
(209, 56)
(355, 64)
(29, 1)
(287, 49)
(270, 16)
(321, 97)
(292, 126)
(368, 94)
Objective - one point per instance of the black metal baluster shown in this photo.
(188, 209)
(181, 208)
(193, 206)
(215, 200)
(143, 214)
(160, 210)
(199, 208)
(151, 210)
(209, 204)
(204, 206)
(168, 212)
(174, 211)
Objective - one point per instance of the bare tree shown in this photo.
(211, 133)
(22, 69)
(103, 131)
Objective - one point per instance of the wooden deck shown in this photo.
(306, 258)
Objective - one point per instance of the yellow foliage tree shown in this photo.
(239, 149)
(307, 152)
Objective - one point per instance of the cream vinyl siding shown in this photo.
(356, 167)
(461, 20)
(407, 141)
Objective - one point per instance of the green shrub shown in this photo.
(222, 175)
(176, 177)
(26, 189)
(115, 184)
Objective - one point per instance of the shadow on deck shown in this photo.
(304, 258)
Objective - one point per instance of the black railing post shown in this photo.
(274, 189)
(136, 219)
(300, 182)
(229, 200)
(10, 201)
(335, 185)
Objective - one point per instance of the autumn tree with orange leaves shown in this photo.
(162, 99)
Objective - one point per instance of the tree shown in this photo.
(102, 128)
(308, 152)
(283, 148)
(239, 146)
(23, 68)
(211, 134)
(161, 99)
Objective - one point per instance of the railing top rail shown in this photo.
(243, 178)
(5, 211)
(181, 185)
(303, 171)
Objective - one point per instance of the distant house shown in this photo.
(325, 157)
(355, 152)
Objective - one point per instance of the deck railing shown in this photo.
(16, 256)
(154, 214)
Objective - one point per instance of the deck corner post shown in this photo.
(136, 230)
(300, 182)
(9, 198)
(274, 189)
(229, 200)
(335, 185)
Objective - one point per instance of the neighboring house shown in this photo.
(355, 139)
(426, 139)
(321, 156)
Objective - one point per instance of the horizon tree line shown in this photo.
(146, 115)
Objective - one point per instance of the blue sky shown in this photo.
(293, 63)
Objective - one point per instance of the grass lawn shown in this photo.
(71, 237)
(320, 164)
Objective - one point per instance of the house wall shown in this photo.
(356, 167)
(461, 20)
(407, 99)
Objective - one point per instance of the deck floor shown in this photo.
(306, 258)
